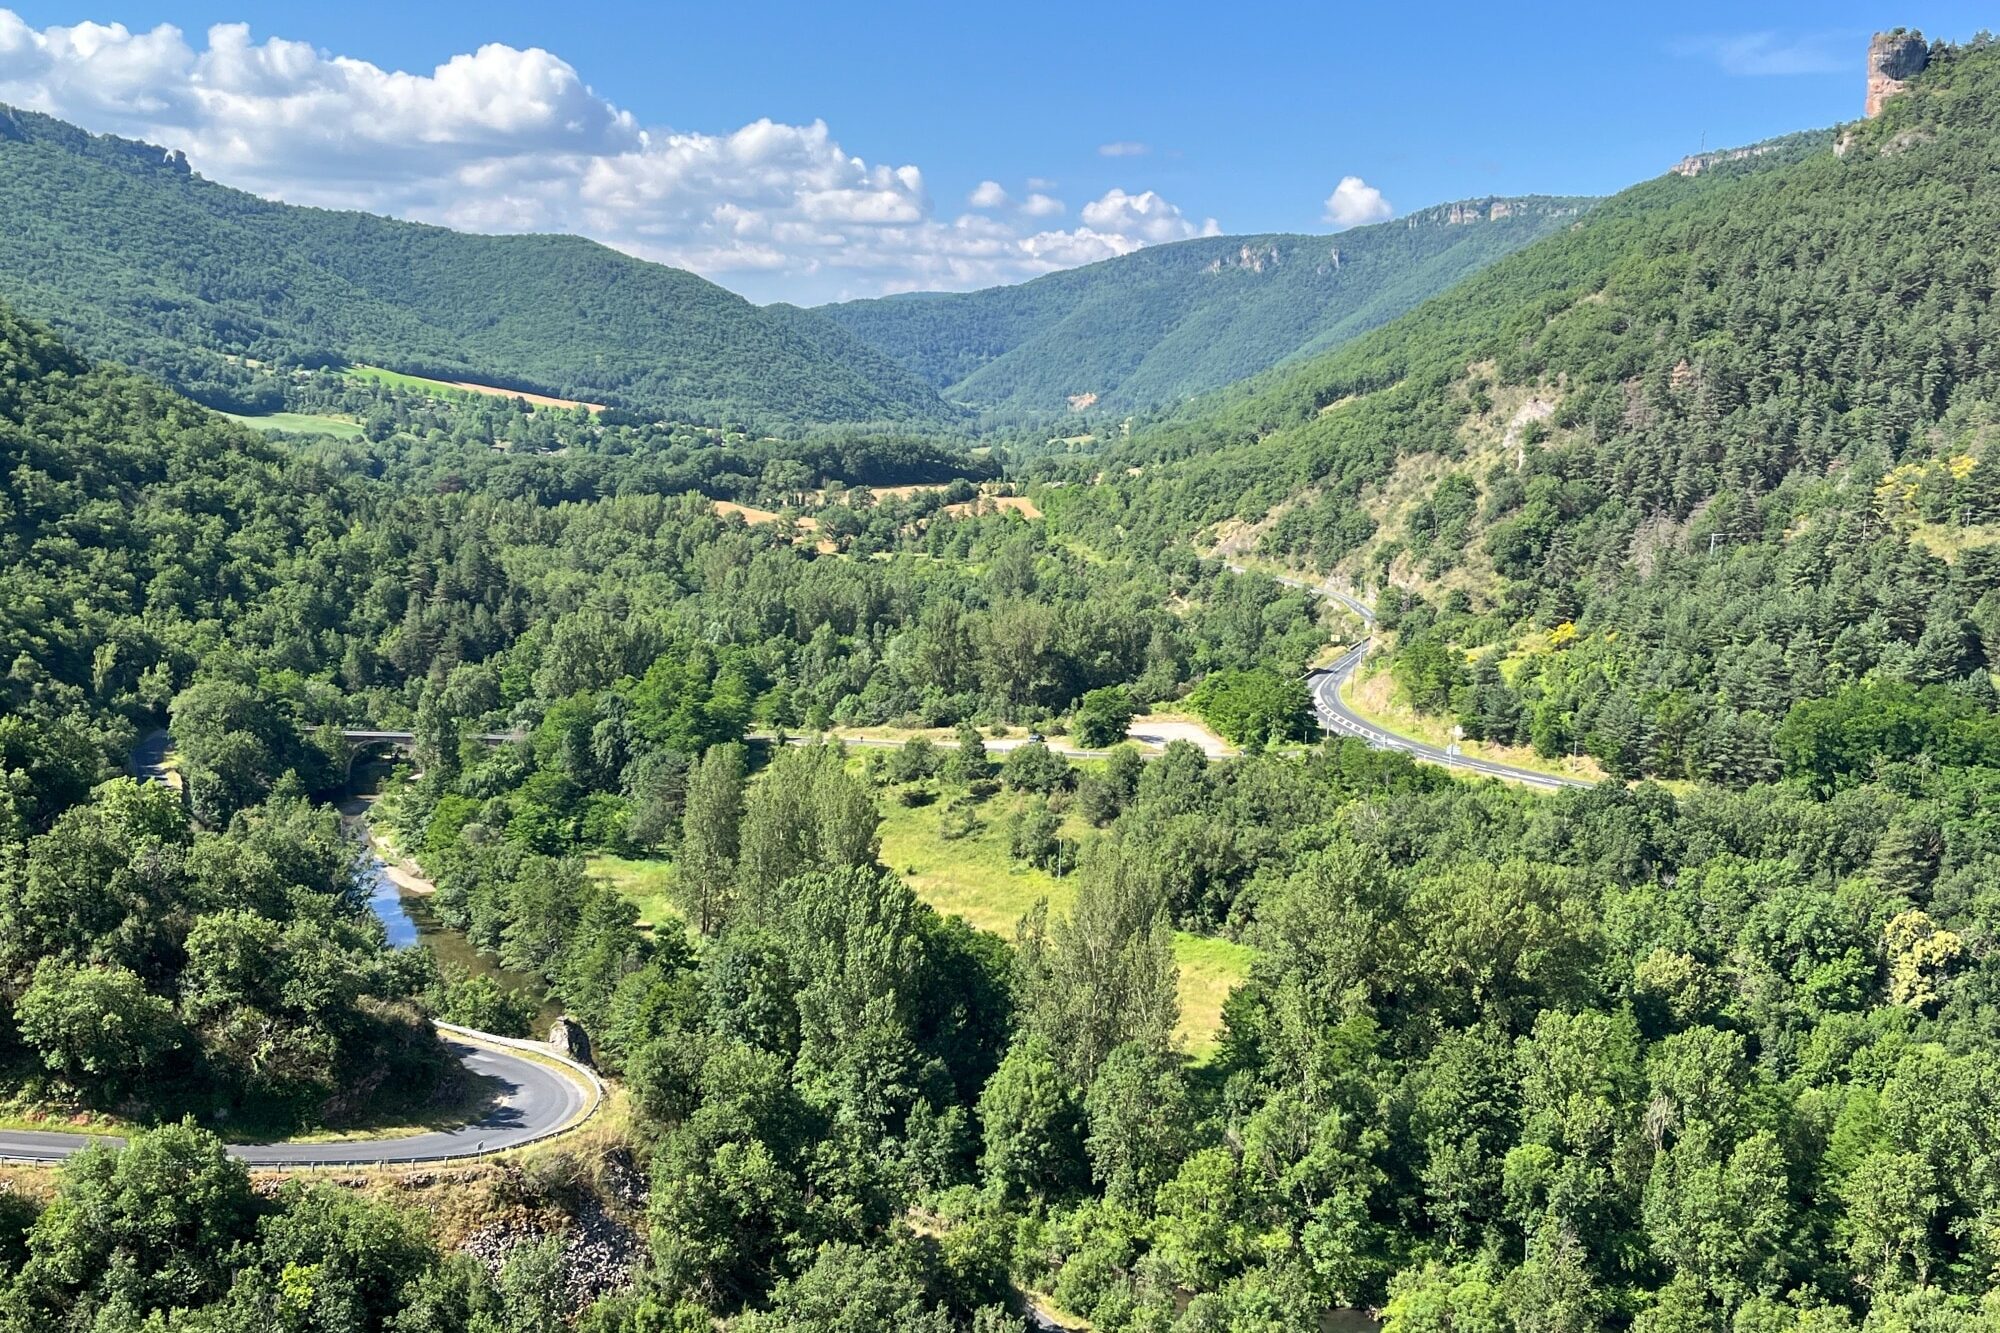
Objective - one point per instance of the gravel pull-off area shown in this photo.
(1164, 731)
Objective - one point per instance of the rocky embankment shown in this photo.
(600, 1251)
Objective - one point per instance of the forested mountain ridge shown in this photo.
(1639, 489)
(136, 259)
(1170, 321)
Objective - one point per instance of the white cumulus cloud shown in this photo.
(1147, 217)
(1354, 203)
(1114, 224)
(507, 140)
(1124, 148)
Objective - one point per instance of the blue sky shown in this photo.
(885, 119)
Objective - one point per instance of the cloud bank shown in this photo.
(506, 140)
(1354, 203)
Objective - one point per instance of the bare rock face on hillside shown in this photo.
(568, 1037)
(1894, 58)
(1696, 163)
(1492, 208)
(1478, 210)
(1253, 258)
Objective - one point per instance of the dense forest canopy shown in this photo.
(1701, 484)
(443, 440)
(137, 260)
(1171, 321)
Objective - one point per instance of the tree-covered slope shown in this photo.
(1640, 489)
(1174, 320)
(1638, 1058)
(126, 252)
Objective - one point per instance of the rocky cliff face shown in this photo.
(1468, 212)
(1254, 258)
(1486, 210)
(1696, 163)
(1894, 58)
(1257, 258)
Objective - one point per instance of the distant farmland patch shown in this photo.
(749, 513)
(905, 492)
(1019, 504)
(424, 385)
(753, 515)
(299, 423)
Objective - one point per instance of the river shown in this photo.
(410, 922)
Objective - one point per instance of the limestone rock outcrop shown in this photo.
(1894, 58)
(1478, 210)
(568, 1037)
(1254, 258)
(1696, 163)
(1492, 208)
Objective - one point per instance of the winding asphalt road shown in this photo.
(1336, 718)
(149, 756)
(531, 1101)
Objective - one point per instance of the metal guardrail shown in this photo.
(590, 1076)
(543, 1050)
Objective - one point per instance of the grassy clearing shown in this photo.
(300, 423)
(447, 388)
(397, 379)
(1949, 541)
(1210, 969)
(644, 882)
(975, 877)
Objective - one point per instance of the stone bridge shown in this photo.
(360, 741)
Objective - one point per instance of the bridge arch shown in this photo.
(361, 740)
(362, 749)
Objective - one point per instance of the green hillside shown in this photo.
(1174, 320)
(136, 259)
(962, 1033)
(1638, 490)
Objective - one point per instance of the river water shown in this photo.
(409, 922)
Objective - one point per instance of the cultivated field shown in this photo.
(425, 385)
(300, 423)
